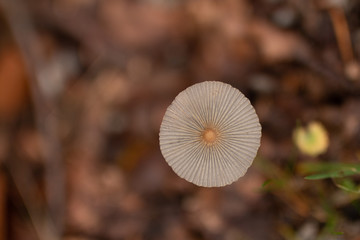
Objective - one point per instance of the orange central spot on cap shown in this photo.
(209, 135)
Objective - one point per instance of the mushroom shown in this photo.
(210, 134)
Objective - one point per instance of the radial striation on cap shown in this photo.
(210, 134)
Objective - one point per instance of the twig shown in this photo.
(3, 194)
(25, 35)
(342, 33)
(24, 184)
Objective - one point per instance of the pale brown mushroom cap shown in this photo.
(210, 134)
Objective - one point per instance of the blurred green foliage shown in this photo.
(340, 173)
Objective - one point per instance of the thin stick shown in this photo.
(41, 221)
(3, 197)
(25, 35)
(342, 33)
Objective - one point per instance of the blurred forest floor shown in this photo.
(84, 85)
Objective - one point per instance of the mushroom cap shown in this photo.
(210, 134)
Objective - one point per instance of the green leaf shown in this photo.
(344, 172)
(347, 185)
(266, 183)
(319, 176)
(328, 170)
(325, 166)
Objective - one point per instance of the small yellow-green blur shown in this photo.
(311, 140)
